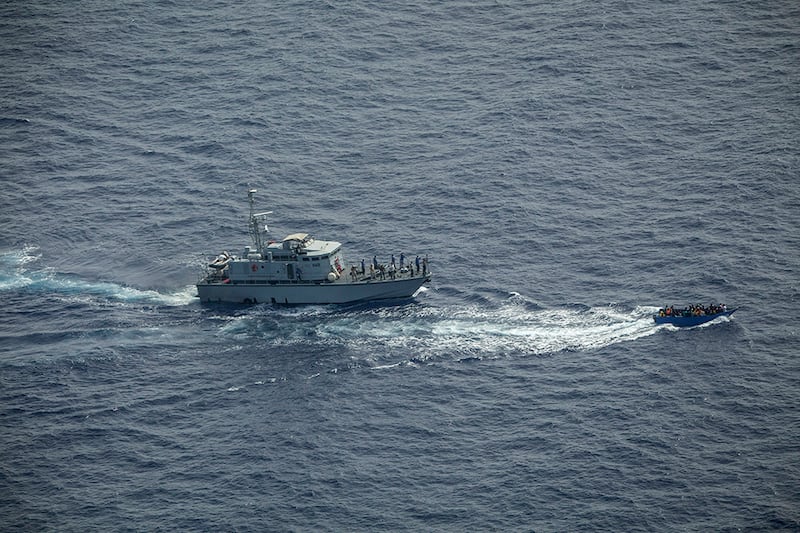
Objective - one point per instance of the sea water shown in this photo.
(567, 169)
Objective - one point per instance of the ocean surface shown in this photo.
(568, 167)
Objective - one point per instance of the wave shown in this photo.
(17, 274)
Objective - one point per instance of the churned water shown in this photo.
(567, 167)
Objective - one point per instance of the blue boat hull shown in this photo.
(689, 321)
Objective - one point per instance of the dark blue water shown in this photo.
(568, 168)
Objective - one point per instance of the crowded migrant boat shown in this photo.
(691, 315)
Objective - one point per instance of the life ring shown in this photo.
(254, 267)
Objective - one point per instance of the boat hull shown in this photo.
(689, 321)
(309, 292)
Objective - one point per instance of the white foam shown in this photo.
(15, 274)
(512, 327)
(13, 264)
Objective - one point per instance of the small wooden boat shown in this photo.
(683, 319)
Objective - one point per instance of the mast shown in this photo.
(258, 222)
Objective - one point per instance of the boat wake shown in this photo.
(422, 332)
(19, 273)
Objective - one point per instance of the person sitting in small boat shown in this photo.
(693, 310)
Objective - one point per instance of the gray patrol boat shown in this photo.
(302, 270)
